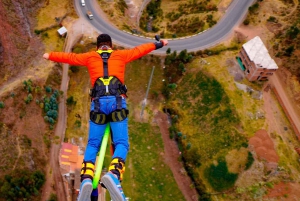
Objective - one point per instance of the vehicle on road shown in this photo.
(90, 14)
(82, 3)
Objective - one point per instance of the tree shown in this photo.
(172, 86)
(46, 118)
(48, 89)
(30, 97)
(188, 146)
(183, 56)
(293, 32)
(168, 51)
(21, 184)
(51, 120)
(181, 67)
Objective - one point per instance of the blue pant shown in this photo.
(119, 129)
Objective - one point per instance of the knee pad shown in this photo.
(87, 170)
(117, 166)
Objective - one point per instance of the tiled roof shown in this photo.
(68, 157)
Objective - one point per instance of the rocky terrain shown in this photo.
(18, 44)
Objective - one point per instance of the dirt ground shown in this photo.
(171, 155)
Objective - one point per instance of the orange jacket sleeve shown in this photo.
(137, 52)
(70, 58)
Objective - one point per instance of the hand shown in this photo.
(164, 42)
(46, 56)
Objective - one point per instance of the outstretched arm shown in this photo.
(143, 49)
(70, 58)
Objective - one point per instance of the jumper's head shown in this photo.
(104, 39)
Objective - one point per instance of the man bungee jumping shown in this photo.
(106, 68)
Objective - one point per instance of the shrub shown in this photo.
(218, 176)
(272, 19)
(45, 35)
(122, 6)
(37, 32)
(289, 51)
(2, 104)
(48, 89)
(28, 99)
(71, 101)
(253, 8)
(27, 141)
(181, 67)
(51, 120)
(28, 85)
(53, 197)
(77, 123)
(172, 86)
(47, 141)
(52, 114)
(188, 146)
(293, 32)
(172, 131)
(168, 51)
(246, 22)
(250, 160)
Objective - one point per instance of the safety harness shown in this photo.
(107, 86)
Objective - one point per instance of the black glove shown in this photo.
(158, 45)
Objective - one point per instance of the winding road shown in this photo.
(234, 16)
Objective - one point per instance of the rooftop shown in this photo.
(259, 54)
(69, 157)
(62, 30)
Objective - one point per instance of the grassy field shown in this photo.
(241, 101)
(48, 20)
(147, 177)
(53, 9)
(78, 112)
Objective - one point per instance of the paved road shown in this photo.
(234, 16)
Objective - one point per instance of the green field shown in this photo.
(147, 177)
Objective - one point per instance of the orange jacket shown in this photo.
(93, 61)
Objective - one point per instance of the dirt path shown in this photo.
(286, 103)
(53, 172)
(171, 158)
(19, 151)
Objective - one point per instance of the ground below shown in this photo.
(171, 150)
